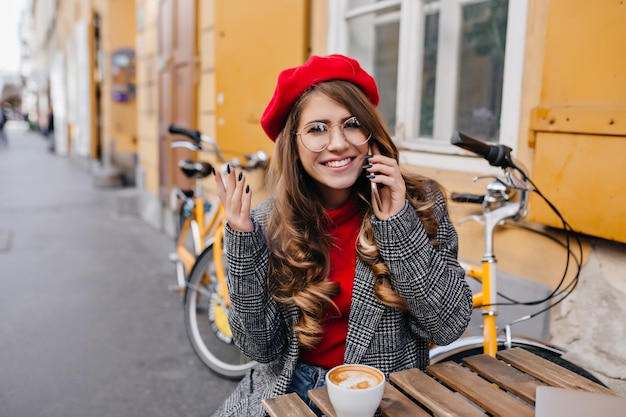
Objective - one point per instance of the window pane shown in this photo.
(374, 42)
(429, 75)
(386, 70)
(481, 68)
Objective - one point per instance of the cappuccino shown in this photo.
(355, 377)
(355, 390)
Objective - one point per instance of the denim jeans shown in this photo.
(305, 378)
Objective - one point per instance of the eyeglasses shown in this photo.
(315, 136)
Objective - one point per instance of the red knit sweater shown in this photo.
(345, 225)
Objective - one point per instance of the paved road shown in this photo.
(87, 324)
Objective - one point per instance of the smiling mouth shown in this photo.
(338, 164)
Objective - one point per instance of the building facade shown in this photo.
(543, 77)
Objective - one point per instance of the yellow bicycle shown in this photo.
(506, 200)
(200, 260)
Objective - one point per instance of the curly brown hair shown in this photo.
(296, 233)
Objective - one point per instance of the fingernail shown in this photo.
(368, 156)
(370, 176)
(247, 189)
(213, 170)
(368, 166)
(240, 176)
(228, 168)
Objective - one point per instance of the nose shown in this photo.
(337, 139)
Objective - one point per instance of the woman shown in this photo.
(319, 275)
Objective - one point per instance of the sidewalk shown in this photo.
(87, 324)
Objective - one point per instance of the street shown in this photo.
(88, 326)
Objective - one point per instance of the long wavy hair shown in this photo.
(297, 234)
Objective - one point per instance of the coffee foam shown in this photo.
(355, 378)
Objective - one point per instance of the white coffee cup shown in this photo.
(355, 390)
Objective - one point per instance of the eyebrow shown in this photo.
(327, 121)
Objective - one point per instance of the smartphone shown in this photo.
(375, 194)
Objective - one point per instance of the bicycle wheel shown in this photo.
(469, 346)
(206, 321)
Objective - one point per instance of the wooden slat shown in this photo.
(396, 404)
(484, 394)
(432, 395)
(549, 372)
(507, 377)
(320, 397)
(452, 390)
(287, 405)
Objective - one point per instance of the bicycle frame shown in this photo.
(201, 225)
(487, 274)
(200, 230)
(496, 208)
(200, 266)
(203, 234)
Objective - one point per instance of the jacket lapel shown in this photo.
(365, 314)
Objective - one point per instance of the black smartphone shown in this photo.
(375, 194)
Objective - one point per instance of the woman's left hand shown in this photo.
(390, 183)
(236, 199)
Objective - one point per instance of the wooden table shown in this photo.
(482, 385)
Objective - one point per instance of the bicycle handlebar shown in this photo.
(257, 160)
(496, 155)
(499, 156)
(197, 139)
(194, 135)
(497, 207)
(467, 198)
(184, 144)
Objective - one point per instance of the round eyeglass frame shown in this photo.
(330, 126)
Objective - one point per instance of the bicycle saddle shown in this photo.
(193, 169)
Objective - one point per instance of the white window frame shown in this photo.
(438, 153)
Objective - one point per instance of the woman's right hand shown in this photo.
(236, 199)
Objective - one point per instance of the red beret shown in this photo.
(292, 82)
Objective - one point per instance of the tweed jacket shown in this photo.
(427, 276)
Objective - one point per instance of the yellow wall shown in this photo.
(240, 60)
(206, 86)
(117, 31)
(585, 174)
(148, 94)
(249, 54)
(319, 27)
(572, 103)
(578, 122)
(120, 119)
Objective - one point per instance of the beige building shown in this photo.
(83, 67)
(545, 78)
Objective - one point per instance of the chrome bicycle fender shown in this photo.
(440, 353)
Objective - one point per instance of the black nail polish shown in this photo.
(370, 176)
(228, 168)
(247, 189)
(368, 156)
(213, 170)
(368, 166)
(240, 176)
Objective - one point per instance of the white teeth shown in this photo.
(337, 164)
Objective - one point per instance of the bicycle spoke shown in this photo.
(206, 319)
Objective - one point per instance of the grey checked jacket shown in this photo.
(428, 277)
